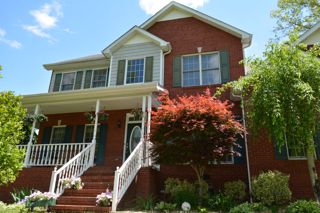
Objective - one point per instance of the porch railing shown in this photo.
(73, 168)
(126, 173)
(52, 154)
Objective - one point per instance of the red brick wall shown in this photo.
(115, 135)
(32, 178)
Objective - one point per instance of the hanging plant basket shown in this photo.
(102, 116)
(137, 113)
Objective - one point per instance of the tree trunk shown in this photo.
(312, 170)
(199, 170)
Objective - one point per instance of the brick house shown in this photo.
(177, 51)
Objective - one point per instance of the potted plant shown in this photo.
(102, 116)
(104, 199)
(72, 183)
(137, 113)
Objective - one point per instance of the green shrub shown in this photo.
(165, 207)
(303, 206)
(235, 190)
(18, 194)
(145, 204)
(249, 208)
(181, 191)
(12, 208)
(220, 202)
(271, 188)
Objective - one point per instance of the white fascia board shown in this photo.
(246, 37)
(306, 34)
(92, 94)
(121, 40)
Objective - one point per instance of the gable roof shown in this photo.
(164, 45)
(308, 33)
(245, 37)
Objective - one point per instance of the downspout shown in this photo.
(246, 146)
(162, 68)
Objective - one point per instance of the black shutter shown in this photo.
(68, 134)
(80, 134)
(242, 150)
(78, 82)
(121, 72)
(176, 72)
(102, 143)
(87, 79)
(57, 82)
(280, 152)
(46, 135)
(224, 66)
(149, 69)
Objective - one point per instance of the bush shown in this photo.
(249, 208)
(165, 207)
(271, 188)
(220, 202)
(12, 208)
(303, 206)
(145, 204)
(235, 190)
(181, 191)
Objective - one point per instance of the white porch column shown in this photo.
(143, 124)
(93, 149)
(27, 158)
(148, 145)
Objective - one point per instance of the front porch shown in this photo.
(72, 143)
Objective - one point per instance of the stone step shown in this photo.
(74, 200)
(83, 192)
(79, 208)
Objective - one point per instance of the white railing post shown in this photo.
(53, 180)
(28, 152)
(96, 119)
(115, 190)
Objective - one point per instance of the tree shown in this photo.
(11, 124)
(194, 130)
(282, 96)
(296, 15)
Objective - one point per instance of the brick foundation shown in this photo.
(32, 178)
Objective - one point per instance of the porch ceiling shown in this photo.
(111, 98)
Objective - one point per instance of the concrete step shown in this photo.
(79, 208)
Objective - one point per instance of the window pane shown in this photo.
(296, 152)
(135, 71)
(210, 69)
(191, 74)
(68, 81)
(99, 78)
(58, 134)
(88, 135)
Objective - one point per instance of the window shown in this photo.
(58, 134)
(135, 71)
(99, 78)
(202, 69)
(68, 81)
(296, 152)
(88, 133)
(134, 138)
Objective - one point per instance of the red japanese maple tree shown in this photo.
(194, 130)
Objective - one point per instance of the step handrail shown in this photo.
(75, 167)
(126, 173)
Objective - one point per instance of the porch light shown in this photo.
(119, 124)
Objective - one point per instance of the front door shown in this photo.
(133, 136)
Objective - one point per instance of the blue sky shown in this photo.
(33, 32)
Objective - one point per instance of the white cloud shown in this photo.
(11, 43)
(46, 18)
(67, 30)
(153, 6)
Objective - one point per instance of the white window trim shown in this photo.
(200, 67)
(52, 130)
(294, 157)
(126, 70)
(84, 132)
(107, 77)
(74, 81)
